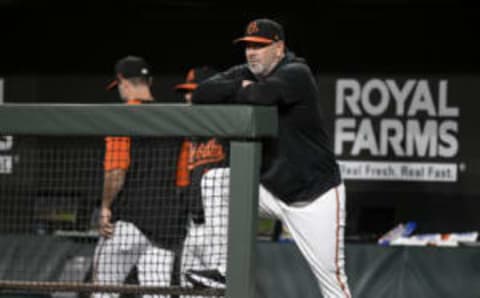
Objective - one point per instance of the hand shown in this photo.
(245, 83)
(105, 226)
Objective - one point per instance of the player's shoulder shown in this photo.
(295, 69)
(298, 65)
(293, 63)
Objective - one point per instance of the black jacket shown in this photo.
(299, 164)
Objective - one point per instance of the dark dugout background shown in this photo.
(64, 52)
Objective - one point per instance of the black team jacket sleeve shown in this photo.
(298, 165)
(220, 88)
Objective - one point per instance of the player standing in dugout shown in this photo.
(206, 189)
(300, 181)
(142, 222)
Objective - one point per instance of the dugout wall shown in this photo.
(243, 126)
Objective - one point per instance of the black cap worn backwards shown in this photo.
(130, 67)
(194, 77)
(263, 31)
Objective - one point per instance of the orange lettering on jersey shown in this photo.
(206, 153)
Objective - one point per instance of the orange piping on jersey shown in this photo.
(337, 247)
(183, 171)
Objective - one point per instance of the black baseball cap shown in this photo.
(130, 67)
(194, 77)
(263, 31)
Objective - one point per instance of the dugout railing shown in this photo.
(244, 126)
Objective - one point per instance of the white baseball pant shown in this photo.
(318, 230)
(205, 246)
(115, 257)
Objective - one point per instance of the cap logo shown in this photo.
(144, 71)
(252, 28)
(191, 75)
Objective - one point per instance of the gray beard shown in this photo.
(257, 70)
(261, 70)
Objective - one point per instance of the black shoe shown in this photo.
(206, 278)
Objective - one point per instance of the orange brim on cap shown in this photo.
(112, 85)
(186, 86)
(255, 39)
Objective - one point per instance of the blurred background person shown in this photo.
(202, 182)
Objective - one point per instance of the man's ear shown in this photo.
(280, 48)
(126, 84)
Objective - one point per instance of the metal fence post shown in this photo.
(242, 225)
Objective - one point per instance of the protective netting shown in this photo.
(163, 235)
